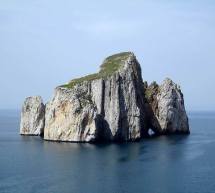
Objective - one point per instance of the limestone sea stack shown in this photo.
(107, 106)
(113, 105)
(166, 114)
(32, 116)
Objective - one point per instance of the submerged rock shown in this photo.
(111, 105)
(32, 116)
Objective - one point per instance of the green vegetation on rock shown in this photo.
(110, 65)
(151, 91)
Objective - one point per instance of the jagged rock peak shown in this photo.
(168, 83)
(166, 107)
(32, 116)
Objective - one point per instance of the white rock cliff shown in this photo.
(109, 108)
(32, 116)
(112, 105)
(167, 114)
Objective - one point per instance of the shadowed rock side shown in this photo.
(111, 105)
(32, 116)
(106, 109)
(166, 110)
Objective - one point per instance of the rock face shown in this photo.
(108, 108)
(166, 107)
(32, 116)
(111, 105)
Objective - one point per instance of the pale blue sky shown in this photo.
(45, 43)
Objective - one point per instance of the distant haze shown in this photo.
(45, 43)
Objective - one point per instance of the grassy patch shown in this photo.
(110, 65)
(151, 91)
(73, 82)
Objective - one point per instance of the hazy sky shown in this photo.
(45, 43)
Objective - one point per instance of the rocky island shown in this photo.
(113, 105)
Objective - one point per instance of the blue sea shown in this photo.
(174, 164)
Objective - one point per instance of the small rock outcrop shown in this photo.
(113, 105)
(166, 108)
(32, 116)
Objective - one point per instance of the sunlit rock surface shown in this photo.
(32, 116)
(167, 110)
(113, 105)
(107, 108)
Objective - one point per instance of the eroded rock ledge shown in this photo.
(111, 105)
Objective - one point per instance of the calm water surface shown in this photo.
(176, 164)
